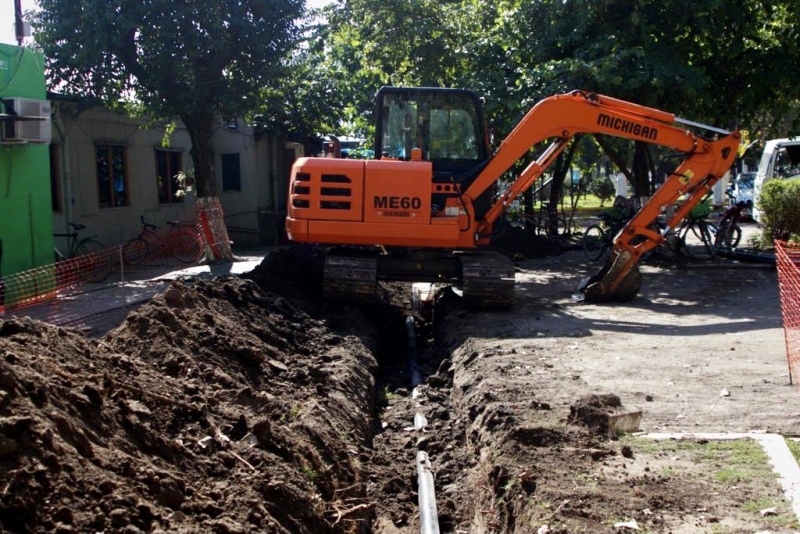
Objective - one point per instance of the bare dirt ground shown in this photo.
(247, 405)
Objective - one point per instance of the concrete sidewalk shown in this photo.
(97, 308)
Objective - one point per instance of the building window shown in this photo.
(55, 177)
(112, 183)
(231, 173)
(168, 165)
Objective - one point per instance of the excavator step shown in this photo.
(487, 280)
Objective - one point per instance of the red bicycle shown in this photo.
(728, 233)
(180, 242)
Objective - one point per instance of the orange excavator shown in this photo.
(424, 208)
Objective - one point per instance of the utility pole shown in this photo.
(18, 24)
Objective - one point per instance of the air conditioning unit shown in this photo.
(26, 120)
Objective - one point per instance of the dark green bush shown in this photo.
(780, 207)
(603, 189)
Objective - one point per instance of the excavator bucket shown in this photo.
(618, 281)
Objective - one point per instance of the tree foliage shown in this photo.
(713, 61)
(780, 204)
(198, 61)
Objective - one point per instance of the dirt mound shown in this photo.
(295, 271)
(214, 408)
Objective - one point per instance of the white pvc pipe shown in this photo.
(428, 515)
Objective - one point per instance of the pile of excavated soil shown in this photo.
(214, 408)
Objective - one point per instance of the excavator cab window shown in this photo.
(400, 133)
(452, 135)
(445, 124)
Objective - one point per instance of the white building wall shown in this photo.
(79, 133)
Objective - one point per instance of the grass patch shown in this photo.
(730, 461)
(739, 469)
(794, 447)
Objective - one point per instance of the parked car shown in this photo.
(780, 160)
(743, 187)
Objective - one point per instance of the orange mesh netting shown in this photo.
(787, 257)
(44, 283)
(179, 246)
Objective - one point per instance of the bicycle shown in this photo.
(548, 222)
(598, 239)
(87, 258)
(180, 243)
(696, 228)
(728, 233)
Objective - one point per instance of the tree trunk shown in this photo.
(562, 168)
(200, 126)
(639, 174)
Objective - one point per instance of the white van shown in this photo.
(781, 160)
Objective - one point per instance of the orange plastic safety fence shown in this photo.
(44, 283)
(787, 256)
(180, 246)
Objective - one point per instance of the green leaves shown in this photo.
(171, 56)
(780, 204)
(197, 60)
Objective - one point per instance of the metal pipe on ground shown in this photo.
(428, 515)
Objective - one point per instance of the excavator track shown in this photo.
(487, 280)
(350, 278)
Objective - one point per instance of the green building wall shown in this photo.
(26, 216)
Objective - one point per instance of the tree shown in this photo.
(713, 61)
(198, 61)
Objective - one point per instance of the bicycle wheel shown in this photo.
(570, 227)
(97, 264)
(728, 237)
(135, 251)
(734, 236)
(697, 241)
(558, 227)
(594, 242)
(186, 246)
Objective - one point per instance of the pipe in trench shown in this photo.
(428, 513)
(413, 368)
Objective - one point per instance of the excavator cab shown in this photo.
(442, 126)
(446, 125)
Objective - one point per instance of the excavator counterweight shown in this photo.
(424, 209)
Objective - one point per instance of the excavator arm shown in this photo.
(561, 118)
